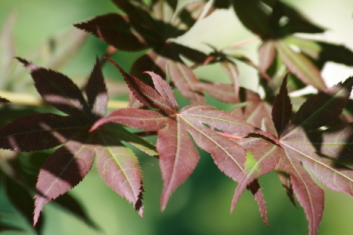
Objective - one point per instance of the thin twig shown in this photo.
(31, 100)
(241, 43)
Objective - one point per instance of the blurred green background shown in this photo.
(201, 205)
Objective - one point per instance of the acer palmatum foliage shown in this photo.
(261, 136)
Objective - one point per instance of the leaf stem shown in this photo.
(241, 43)
(32, 100)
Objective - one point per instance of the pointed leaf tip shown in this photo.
(63, 170)
(3, 100)
(282, 108)
(322, 108)
(158, 98)
(30, 66)
(96, 91)
(119, 168)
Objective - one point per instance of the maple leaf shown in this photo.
(302, 144)
(70, 163)
(256, 112)
(224, 91)
(274, 33)
(149, 26)
(177, 154)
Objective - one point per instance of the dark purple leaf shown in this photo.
(57, 89)
(255, 189)
(116, 30)
(22, 201)
(4, 101)
(284, 177)
(253, 16)
(151, 61)
(38, 132)
(146, 94)
(97, 92)
(282, 109)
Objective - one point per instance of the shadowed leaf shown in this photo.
(323, 108)
(22, 200)
(63, 170)
(178, 156)
(56, 89)
(318, 151)
(284, 177)
(116, 30)
(146, 94)
(97, 92)
(7, 227)
(38, 132)
(68, 165)
(282, 109)
(253, 16)
(73, 206)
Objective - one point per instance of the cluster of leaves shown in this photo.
(263, 136)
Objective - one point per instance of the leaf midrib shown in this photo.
(304, 122)
(199, 130)
(318, 162)
(115, 159)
